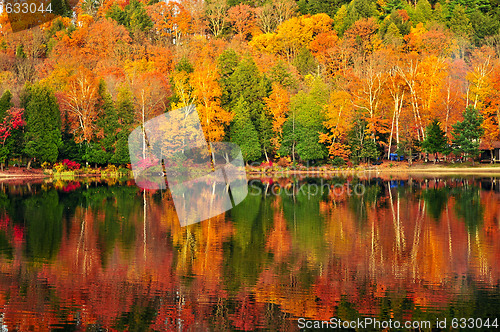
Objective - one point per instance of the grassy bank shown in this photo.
(402, 168)
(386, 167)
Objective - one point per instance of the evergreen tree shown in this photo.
(227, 63)
(134, 16)
(5, 103)
(121, 155)
(312, 7)
(243, 132)
(422, 13)
(466, 133)
(61, 8)
(101, 151)
(358, 9)
(459, 23)
(369, 149)
(483, 25)
(340, 20)
(43, 125)
(361, 142)
(355, 138)
(125, 111)
(69, 149)
(247, 83)
(282, 75)
(393, 36)
(435, 140)
(305, 62)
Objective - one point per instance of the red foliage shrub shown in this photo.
(71, 165)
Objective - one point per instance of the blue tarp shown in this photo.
(395, 157)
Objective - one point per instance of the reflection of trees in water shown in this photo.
(361, 204)
(273, 257)
(43, 220)
(468, 206)
(436, 200)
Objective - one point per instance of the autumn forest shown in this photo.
(292, 83)
(328, 81)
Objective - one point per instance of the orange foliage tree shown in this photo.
(278, 104)
(243, 18)
(207, 94)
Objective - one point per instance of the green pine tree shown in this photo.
(125, 111)
(43, 125)
(134, 16)
(101, 151)
(459, 23)
(246, 82)
(369, 149)
(466, 133)
(5, 103)
(305, 62)
(227, 63)
(435, 141)
(423, 12)
(393, 36)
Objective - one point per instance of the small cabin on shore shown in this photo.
(489, 152)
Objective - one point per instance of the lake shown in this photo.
(104, 254)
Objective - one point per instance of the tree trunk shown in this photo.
(1, 166)
(390, 136)
(28, 166)
(293, 143)
(492, 151)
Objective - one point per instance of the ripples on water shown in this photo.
(101, 255)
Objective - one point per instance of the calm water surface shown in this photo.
(96, 255)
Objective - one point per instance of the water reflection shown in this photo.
(95, 254)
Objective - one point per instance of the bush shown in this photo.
(59, 167)
(110, 169)
(71, 165)
(337, 161)
(284, 162)
(65, 165)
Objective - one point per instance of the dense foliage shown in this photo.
(309, 80)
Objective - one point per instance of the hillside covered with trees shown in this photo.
(322, 81)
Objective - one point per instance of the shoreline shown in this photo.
(277, 171)
(418, 169)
